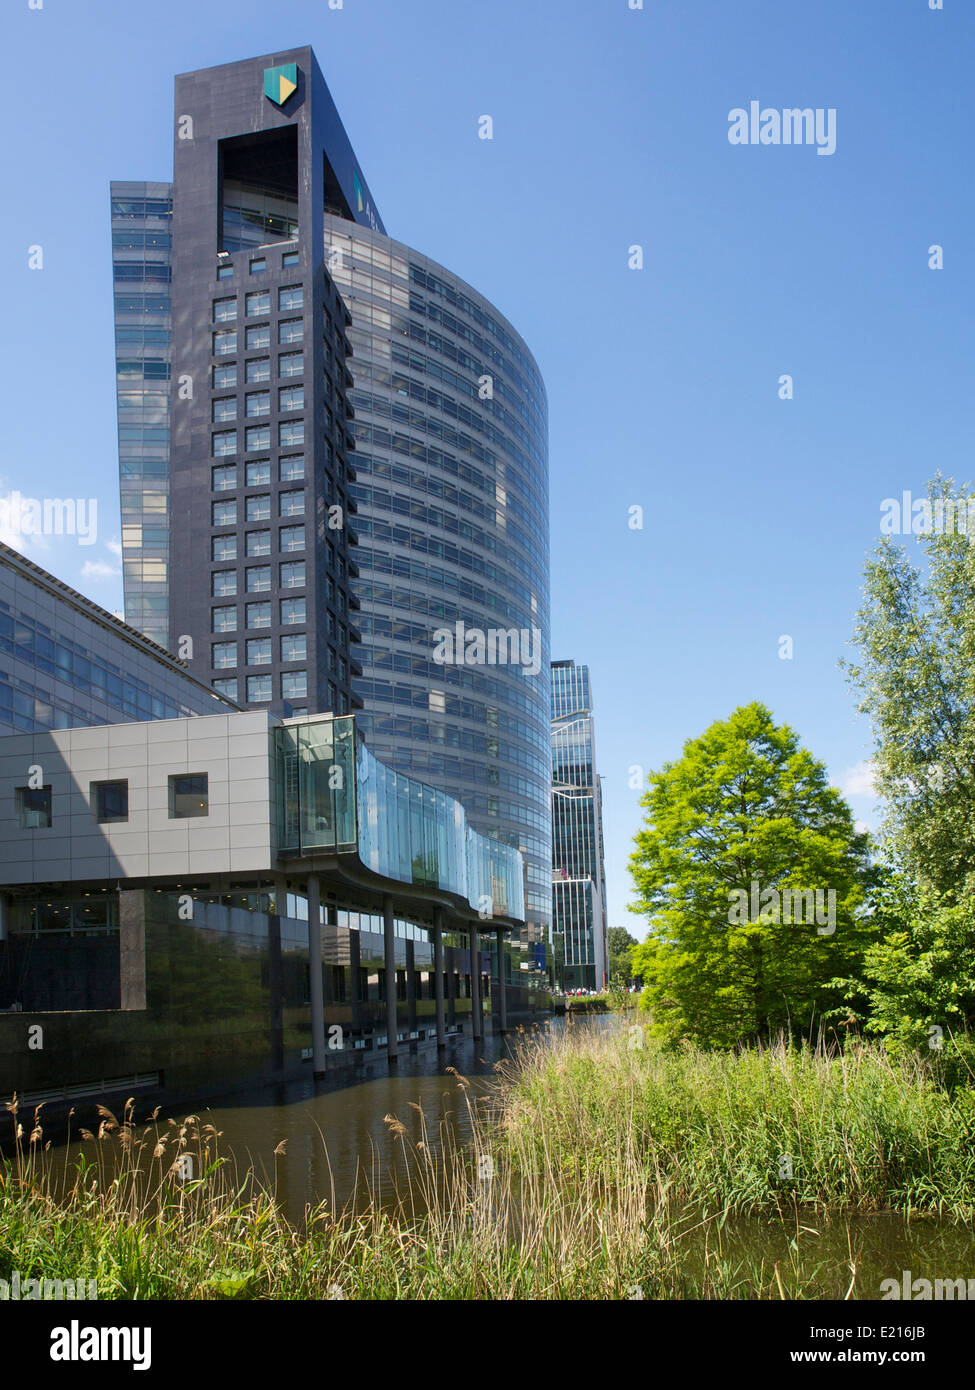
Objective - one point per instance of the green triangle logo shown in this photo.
(281, 83)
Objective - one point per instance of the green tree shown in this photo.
(744, 815)
(621, 945)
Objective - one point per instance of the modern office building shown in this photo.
(64, 661)
(267, 326)
(579, 926)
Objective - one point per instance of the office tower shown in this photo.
(297, 332)
(578, 873)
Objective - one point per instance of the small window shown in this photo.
(294, 648)
(224, 410)
(188, 796)
(34, 807)
(258, 579)
(258, 265)
(291, 538)
(294, 685)
(224, 548)
(289, 398)
(259, 615)
(224, 513)
(291, 433)
(258, 337)
(225, 342)
(226, 686)
(258, 302)
(224, 478)
(258, 437)
(293, 611)
(258, 403)
(293, 575)
(259, 508)
(258, 543)
(289, 258)
(224, 376)
(109, 801)
(290, 298)
(224, 443)
(291, 503)
(224, 584)
(224, 619)
(258, 690)
(291, 469)
(225, 310)
(259, 651)
(291, 364)
(289, 331)
(259, 473)
(258, 369)
(225, 272)
(224, 656)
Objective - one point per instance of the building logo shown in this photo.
(281, 83)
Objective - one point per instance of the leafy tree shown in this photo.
(742, 816)
(621, 944)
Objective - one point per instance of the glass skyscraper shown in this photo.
(579, 927)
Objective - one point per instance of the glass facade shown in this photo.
(142, 216)
(333, 794)
(452, 497)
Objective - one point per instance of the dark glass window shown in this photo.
(34, 807)
(109, 801)
(188, 796)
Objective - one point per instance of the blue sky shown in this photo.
(610, 130)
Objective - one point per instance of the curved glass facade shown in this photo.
(452, 517)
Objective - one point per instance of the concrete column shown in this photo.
(438, 975)
(389, 941)
(315, 977)
(502, 996)
(477, 1024)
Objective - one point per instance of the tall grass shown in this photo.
(598, 1170)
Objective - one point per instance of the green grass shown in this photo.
(606, 1168)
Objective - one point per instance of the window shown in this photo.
(224, 443)
(224, 619)
(294, 685)
(291, 538)
(291, 433)
(258, 265)
(188, 796)
(225, 310)
(224, 584)
(224, 410)
(293, 611)
(224, 342)
(34, 807)
(259, 508)
(258, 543)
(291, 297)
(289, 258)
(259, 615)
(258, 579)
(223, 548)
(294, 648)
(225, 376)
(258, 337)
(224, 478)
(226, 686)
(291, 503)
(258, 437)
(258, 403)
(258, 689)
(259, 473)
(292, 468)
(109, 801)
(289, 331)
(258, 369)
(259, 651)
(258, 302)
(225, 272)
(291, 398)
(224, 514)
(224, 656)
(291, 364)
(293, 575)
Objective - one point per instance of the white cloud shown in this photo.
(115, 547)
(99, 569)
(858, 780)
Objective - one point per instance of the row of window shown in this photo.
(257, 304)
(258, 369)
(257, 265)
(258, 651)
(260, 689)
(257, 579)
(291, 503)
(293, 611)
(257, 403)
(291, 435)
(109, 801)
(291, 469)
(289, 331)
(290, 539)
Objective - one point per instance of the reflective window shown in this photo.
(224, 376)
(258, 265)
(224, 342)
(34, 807)
(291, 297)
(224, 619)
(259, 614)
(224, 548)
(291, 398)
(223, 655)
(292, 503)
(258, 437)
(259, 473)
(293, 611)
(188, 796)
(258, 689)
(259, 508)
(258, 369)
(225, 310)
(291, 364)
(109, 801)
(259, 651)
(294, 685)
(291, 538)
(258, 302)
(224, 442)
(293, 575)
(291, 433)
(224, 410)
(258, 403)
(224, 584)
(291, 468)
(290, 331)
(224, 514)
(294, 648)
(224, 477)
(225, 686)
(290, 258)
(258, 542)
(258, 337)
(258, 579)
